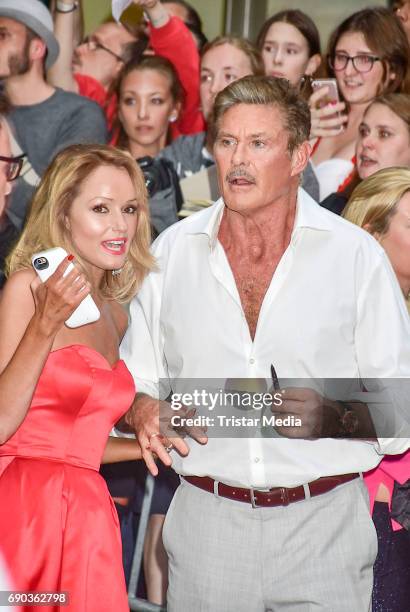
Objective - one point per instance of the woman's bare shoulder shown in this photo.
(18, 285)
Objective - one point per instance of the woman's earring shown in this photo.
(117, 272)
(172, 118)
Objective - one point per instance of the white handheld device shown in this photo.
(45, 264)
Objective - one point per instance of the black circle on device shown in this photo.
(40, 263)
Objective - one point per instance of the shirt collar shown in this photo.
(309, 214)
(210, 225)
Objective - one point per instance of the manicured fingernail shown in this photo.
(70, 257)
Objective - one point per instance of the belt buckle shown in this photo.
(284, 495)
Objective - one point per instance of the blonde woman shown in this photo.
(381, 205)
(62, 389)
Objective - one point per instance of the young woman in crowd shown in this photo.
(290, 46)
(381, 205)
(383, 141)
(149, 100)
(368, 54)
(62, 389)
(150, 97)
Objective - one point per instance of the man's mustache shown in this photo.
(240, 173)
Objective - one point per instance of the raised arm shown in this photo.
(31, 314)
(66, 25)
(171, 39)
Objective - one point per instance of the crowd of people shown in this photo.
(295, 281)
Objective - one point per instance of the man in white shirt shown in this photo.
(265, 276)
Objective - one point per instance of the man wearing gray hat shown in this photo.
(43, 119)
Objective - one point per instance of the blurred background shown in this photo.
(244, 17)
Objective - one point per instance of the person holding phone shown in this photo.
(61, 388)
(383, 141)
(368, 54)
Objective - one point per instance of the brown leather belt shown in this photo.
(278, 496)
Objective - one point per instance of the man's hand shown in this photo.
(151, 420)
(155, 12)
(320, 416)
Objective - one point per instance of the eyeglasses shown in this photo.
(14, 166)
(94, 45)
(361, 63)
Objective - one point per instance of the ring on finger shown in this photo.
(169, 448)
(154, 435)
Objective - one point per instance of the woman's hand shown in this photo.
(57, 298)
(323, 119)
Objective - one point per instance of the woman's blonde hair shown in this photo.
(374, 201)
(46, 224)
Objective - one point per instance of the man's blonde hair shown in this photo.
(266, 91)
(46, 224)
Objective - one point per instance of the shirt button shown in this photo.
(256, 460)
(251, 360)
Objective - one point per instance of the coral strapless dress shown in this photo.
(58, 525)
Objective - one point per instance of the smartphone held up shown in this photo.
(330, 98)
(45, 264)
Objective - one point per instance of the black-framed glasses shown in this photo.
(94, 45)
(361, 62)
(14, 166)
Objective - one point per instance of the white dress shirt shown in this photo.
(333, 309)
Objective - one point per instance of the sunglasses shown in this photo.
(14, 165)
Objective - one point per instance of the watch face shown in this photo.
(350, 422)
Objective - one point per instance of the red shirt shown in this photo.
(91, 88)
(174, 42)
